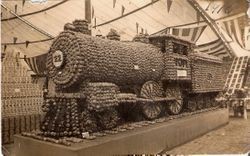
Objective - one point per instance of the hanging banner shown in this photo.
(23, 2)
(27, 43)
(14, 40)
(169, 3)
(93, 12)
(137, 27)
(114, 2)
(16, 8)
(123, 9)
(95, 23)
(5, 47)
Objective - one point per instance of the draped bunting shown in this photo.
(234, 29)
(37, 64)
(215, 48)
(191, 34)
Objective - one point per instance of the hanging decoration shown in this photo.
(169, 3)
(214, 8)
(114, 2)
(95, 23)
(137, 27)
(153, 1)
(27, 43)
(14, 40)
(233, 28)
(142, 30)
(23, 2)
(123, 9)
(207, 8)
(219, 10)
(93, 12)
(36, 63)
(16, 8)
(215, 48)
(128, 13)
(190, 34)
(5, 47)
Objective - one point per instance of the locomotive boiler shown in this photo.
(100, 82)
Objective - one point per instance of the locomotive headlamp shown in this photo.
(58, 58)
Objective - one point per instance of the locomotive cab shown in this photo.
(175, 54)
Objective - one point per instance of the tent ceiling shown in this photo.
(52, 15)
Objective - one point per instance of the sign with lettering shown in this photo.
(182, 73)
(57, 58)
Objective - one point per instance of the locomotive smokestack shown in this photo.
(113, 35)
(78, 26)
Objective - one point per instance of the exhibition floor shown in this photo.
(233, 138)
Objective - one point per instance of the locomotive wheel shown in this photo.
(174, 106)
(151, 110)
(151, 90)
(191, 105)
(108, 118)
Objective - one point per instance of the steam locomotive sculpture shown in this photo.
(101, 83)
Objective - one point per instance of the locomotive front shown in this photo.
(75, 58)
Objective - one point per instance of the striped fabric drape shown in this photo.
(235, 28)
(37, 64)
(191, 34)
(215, 48)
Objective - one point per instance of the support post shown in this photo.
(88, 12)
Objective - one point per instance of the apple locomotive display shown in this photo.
(103, 83)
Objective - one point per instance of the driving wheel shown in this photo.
(174, 106)
(151, 90)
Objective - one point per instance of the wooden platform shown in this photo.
(151, 139)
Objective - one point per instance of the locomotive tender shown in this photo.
(99, 80)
